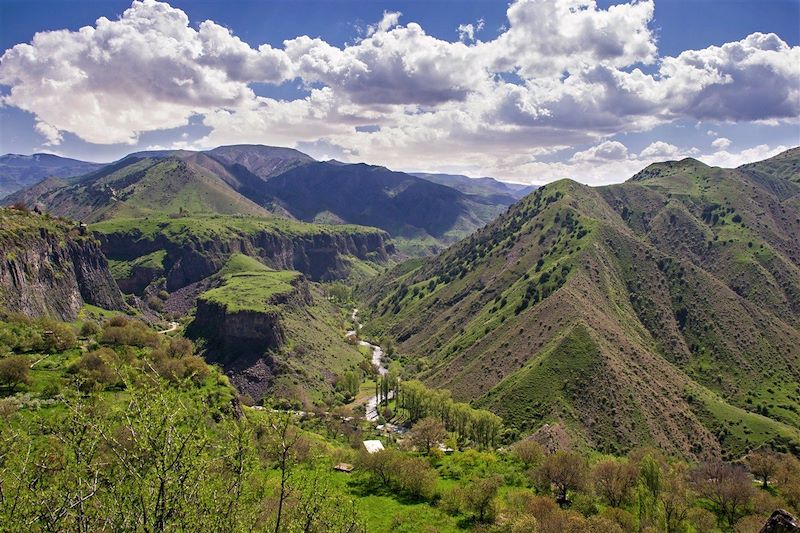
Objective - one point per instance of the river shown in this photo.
(371, 410)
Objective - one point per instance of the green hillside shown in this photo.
(649, 311)
(136, 187)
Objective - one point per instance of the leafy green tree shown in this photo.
(480, 495)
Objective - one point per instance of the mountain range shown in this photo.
(422, 214)
(664, 310)
(20, 171)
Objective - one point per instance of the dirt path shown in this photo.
(172, 327)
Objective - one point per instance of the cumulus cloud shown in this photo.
(721, 143)
(660, 150)
(148, 70)
(726, 159)
(388, 21)
(757, 78)
(605, 151)
(51, 134)
(561, 73)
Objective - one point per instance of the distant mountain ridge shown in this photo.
(264, 181)
(20, 171)
(664, 310)
(490, 188)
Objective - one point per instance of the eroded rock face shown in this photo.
(781, 522)
(242, 341)
(53, 273)
(319, 256)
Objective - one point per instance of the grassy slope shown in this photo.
(139, 187)
(626, 308)
(209, 227)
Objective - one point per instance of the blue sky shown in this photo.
(397, 83)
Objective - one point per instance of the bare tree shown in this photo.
(727, 486)
(613, 480)
(427, 433)
(763, 464)
(565, 471)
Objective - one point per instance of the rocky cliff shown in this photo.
(199, 247)
(52, 267)
(273, 332)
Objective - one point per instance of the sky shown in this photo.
(528, 91)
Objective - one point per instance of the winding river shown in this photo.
(371, 411)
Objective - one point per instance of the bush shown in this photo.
(89, 329)
(14, 370)
(155, 303)
(56, 336)
(92, 369)
(131, 333)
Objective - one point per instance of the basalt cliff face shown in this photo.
(232, 334)
(192, 255)
(52, 267)
(283, 340)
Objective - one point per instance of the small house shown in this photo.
(373, 446)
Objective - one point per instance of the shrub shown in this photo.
(56, 336)
(528, 452)
(155, 303)
(14, 370)
(89, 329)
(93, 370)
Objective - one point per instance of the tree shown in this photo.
(415, 476)
(427, 433)
(762, 464)
(14, 370)
(380, 465)
(788, 478)
(56, 336)
(317, 507)
(285, 446)
(648, 490)
(613, 480)
(528, 452)
(727, 486)
(479, 496)
(676, 498)
(565, 471)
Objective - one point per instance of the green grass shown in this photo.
(185, 230)
(239, 263)
(741, 430)
(251, 291)
(549, 382)
(122, 269)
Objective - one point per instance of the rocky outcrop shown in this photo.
(320, 256)
(780, 522)
(52, 267)
(243, 342)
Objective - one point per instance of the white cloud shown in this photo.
(51, 134)
(387, 22)
(660, 150)
(721, 143)
(605, 151)
(146, 71)
(726, 159)
(562, 73)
